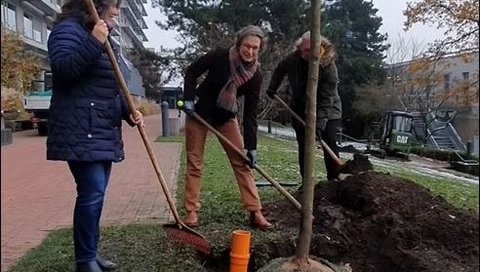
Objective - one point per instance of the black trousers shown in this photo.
(328, 135)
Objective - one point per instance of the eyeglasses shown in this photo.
(248, 47)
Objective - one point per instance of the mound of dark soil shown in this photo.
(377, 222)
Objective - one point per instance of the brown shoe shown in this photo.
(192, 219)
(258, 221)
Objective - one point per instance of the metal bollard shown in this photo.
(269, 126)
(3, 121)
(165, 117)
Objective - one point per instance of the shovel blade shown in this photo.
(359, 164)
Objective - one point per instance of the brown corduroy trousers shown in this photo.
(196, 134)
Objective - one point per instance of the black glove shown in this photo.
(271, 93)
(252, 158)
(319, 135)
(322, 124)
(189, 107)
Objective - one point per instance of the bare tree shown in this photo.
(460, 22)
(305, 236)
(386, 95)
(425, 87)
(458, 19)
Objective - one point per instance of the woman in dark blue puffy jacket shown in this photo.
(86, 113)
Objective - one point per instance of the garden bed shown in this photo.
(373, 222)
(378, 222)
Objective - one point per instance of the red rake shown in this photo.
(184, 236)
(178, 232)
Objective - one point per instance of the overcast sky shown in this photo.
(391, 12)
(156, 36)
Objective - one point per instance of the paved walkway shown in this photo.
(38, 195)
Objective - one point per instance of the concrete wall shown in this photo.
(466, 124)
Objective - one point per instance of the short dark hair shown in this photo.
(79, 9)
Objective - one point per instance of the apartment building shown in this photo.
(33, 20)
(131, 24)
(129, 34)
(461, 72)
(457, 72)
(466, 74)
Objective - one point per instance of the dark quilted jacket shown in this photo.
(216, 62)
(87, 107)
(329, 104)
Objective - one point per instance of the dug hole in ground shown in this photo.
(374, 222)
(377, 222)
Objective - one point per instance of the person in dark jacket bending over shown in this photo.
(85, 122)
(329, 105)
(231, 73)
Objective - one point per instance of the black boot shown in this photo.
(91, 266)
(105, 264)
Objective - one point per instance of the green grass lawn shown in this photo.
(143, 247)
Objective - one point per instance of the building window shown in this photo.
(32, 27)
(27, 26)
(466, 82)
(9, 17)
(446, 82)
(37, 30)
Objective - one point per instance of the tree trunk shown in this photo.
(303, 249)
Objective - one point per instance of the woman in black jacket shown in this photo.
(231, 73)
(329, 105)
(85, 122)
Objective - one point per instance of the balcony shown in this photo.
(141, 35)
(133, 6)
(39, 47)
(43, 7)
(136, 39)
(129, 17)
(144, 11)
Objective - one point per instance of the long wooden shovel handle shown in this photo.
(300, 120)
(240, 153)
(131, 107)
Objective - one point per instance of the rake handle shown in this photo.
(300, 120)
(240, 153)
(131, 107)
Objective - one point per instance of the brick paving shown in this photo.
(38, 195)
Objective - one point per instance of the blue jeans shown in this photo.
(91, 179)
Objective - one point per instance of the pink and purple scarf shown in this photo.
(239, 74)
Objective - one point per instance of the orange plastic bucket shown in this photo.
(240, 251)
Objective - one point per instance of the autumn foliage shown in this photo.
(19, 67)
(11, 99)
(427, 83)
(458, 18)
